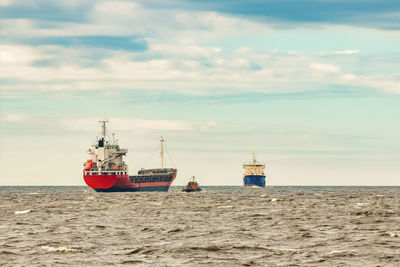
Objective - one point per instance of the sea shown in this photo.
(219, 226)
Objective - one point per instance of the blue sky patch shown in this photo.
(122, 43)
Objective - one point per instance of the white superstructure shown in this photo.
(106, 157)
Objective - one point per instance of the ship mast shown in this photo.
(103, 128)
(254, 158)
(162, 152)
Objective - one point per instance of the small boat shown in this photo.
(191, 186)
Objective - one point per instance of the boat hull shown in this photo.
(123, 183)
(191, 190)
(254, 180)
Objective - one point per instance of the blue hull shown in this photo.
(137, 189)
(254, 180)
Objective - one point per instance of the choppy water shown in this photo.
(220, 226)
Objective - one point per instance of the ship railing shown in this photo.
(253, 165)
(150, 178)
(158, 171)
(106, 172)
(154, 174)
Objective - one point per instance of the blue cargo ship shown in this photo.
(254, 173)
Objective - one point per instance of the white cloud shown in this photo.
(136, 125)
(183, 50)
(324, 68)
(141, 124)
(188, 54)
(197, 70)
(378, 82)
(346, 52)
(17, 117)
(17, 55)
(5, 2)
(116, 12)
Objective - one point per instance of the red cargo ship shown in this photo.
(106, 171)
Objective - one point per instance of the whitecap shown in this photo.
(274, 199)
(90, 198)
(225, 207)
(22, 211)
(58, 249)
(34, 193)
(361, 204)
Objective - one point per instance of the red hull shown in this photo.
(123, 183)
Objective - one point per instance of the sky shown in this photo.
(311, 86)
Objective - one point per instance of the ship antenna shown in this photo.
(254, 157)
(103, 128)
(162, 152)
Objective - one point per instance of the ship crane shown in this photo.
(114, 156)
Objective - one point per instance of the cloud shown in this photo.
(379, 82)
(203, 72)
(17, 118)
(346, 52)
(293, 12)
(18, 55)
(196, 51)
(136, 125)
(324, 68)
(5, 2)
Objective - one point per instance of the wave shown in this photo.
(22, 211)
(58, 249)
